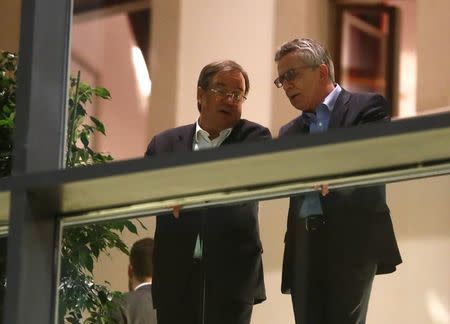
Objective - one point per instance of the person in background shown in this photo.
(136, 306)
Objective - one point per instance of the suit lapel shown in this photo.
(340, 110)
(301, 126)
(297, 126)
(235, 134)
(185, 139)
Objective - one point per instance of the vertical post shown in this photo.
(39, 145)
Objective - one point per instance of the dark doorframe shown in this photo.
(370, 13)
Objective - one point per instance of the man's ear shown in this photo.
(323, 71)
(130, 271)
(200, 94)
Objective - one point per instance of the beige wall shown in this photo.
(296, 19)
(104, 46)
(419, 292)
(407, 60)
(433, 51)
(190, 34)
(164, 64)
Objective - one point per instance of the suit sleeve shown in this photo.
(151, 148)
(374, 111)
(282, 131)
(262, 133)
(116, 313)
(259, 133)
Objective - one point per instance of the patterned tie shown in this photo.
(317, 123)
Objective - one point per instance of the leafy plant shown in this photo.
(8, 68)
(78, 293)
(79, 296)
(78, 131)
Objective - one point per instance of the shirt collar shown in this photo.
(198, 130)
(329, 102)
(142, 285)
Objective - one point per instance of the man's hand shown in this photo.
(323, 189)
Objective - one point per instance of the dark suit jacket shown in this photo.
(136, 307)
(359, 219)
(232, 246)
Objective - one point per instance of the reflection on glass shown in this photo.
(422, 237)
(414, 293)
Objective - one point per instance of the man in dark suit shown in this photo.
(208, 262)
(136, 307)
(335, 241)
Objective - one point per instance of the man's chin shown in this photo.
(296, 103)
(230, 122)
(229, 125)
(301, 107)
(298, 106)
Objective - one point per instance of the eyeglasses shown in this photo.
(235, 96)
(289, 75)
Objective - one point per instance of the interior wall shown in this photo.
(433, 51)
(419, 291)
(105, 46)
(294, 19)
(407, 60)
(218, 30)
(164, 70)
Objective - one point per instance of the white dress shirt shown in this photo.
(201, 142)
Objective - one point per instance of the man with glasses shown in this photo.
(208, 266)
(335, 241)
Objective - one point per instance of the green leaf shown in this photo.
(142, 224)
(130, 226)
(80, 111)
(102, 92)
(84, 139)
(86, 259)
(88, 128)
(98, 124)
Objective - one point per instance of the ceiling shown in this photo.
(85, 6)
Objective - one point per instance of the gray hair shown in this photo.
(310, 52)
